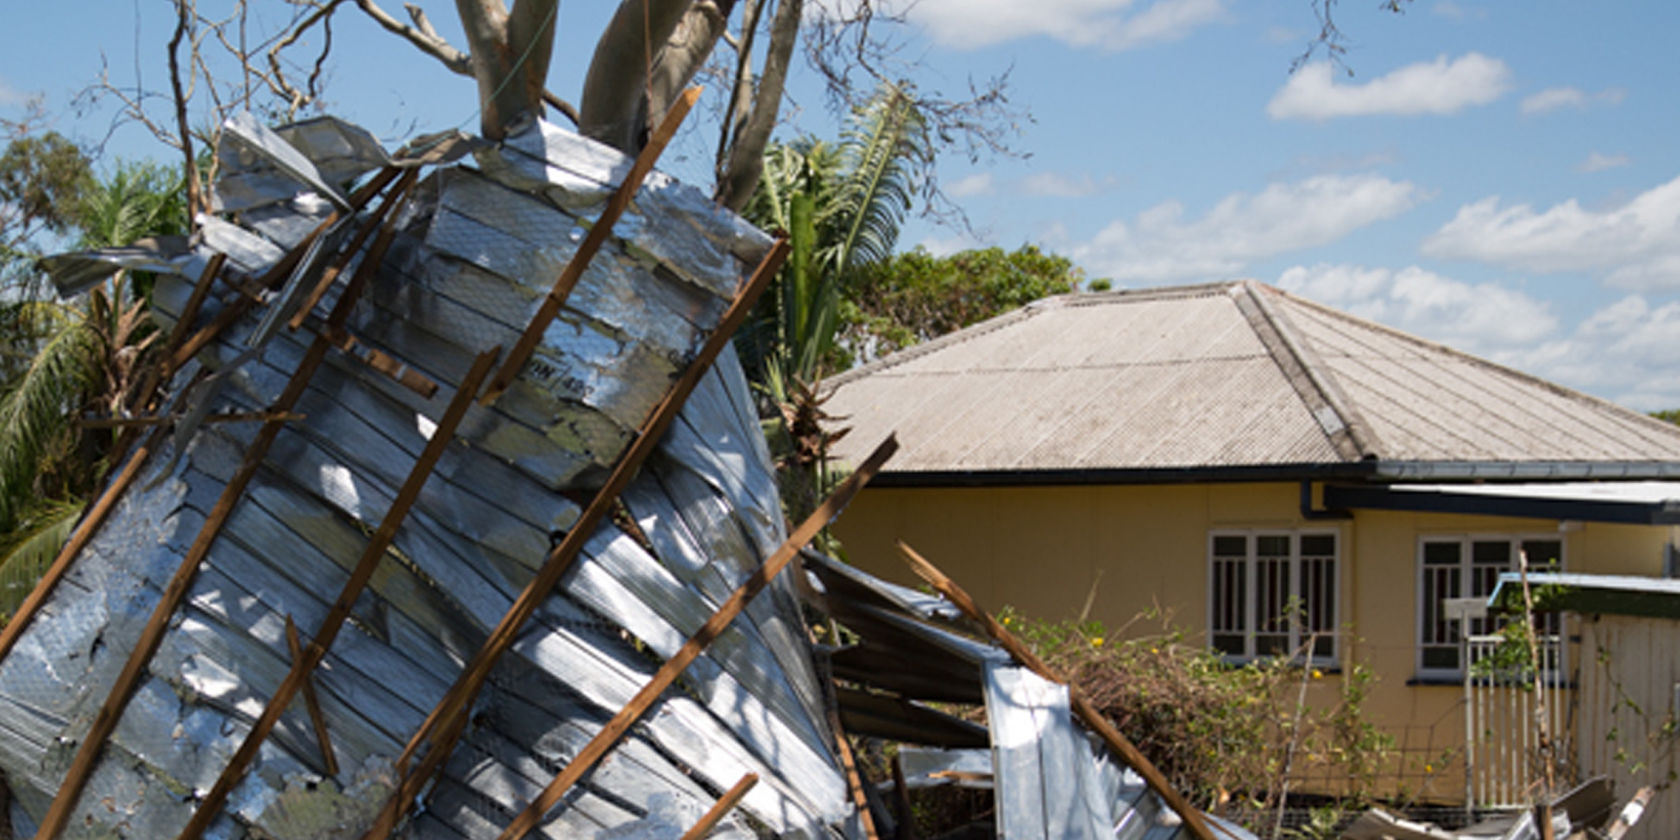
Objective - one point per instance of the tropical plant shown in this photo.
(842, 206)
(69, 358)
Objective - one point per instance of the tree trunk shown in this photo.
(746, 154)
(510, 55)
(614, 105)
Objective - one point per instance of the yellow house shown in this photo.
(1223, 450)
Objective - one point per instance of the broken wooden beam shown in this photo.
(312, 703)
(592, 242)
(303, 666)
(105, 720)
(609, 735)
(1122, 746)
(720, 808)
(446, 720)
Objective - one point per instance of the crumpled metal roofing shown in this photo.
(1228, 376)
(473, 257)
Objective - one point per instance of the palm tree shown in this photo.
(842, 206)
(69, 358)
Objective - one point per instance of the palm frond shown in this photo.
(886, 150)
(26, 552)
(36, 408)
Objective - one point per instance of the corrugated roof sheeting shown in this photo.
(1431, 403)
(1203, 377)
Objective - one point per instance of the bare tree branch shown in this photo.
(426, 38)
(182, 14)
(423, 36)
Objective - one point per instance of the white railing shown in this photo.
(1502, 732)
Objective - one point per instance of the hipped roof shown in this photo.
(1235, 380)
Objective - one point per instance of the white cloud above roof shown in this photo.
(1485, 319)
(1434, 87)
(980, 183)
(1160, 245)
(1636, 245)
(1106, 24)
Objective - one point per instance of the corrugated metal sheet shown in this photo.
(472, 260)
(1224, 375)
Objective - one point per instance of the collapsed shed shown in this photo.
(468, 518)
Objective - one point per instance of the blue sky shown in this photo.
(1503, 177)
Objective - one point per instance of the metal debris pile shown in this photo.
(497, 534)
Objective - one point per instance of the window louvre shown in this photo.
(1269, 592)
(1469, 567)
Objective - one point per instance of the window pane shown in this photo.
(1491, 553)
(1274, 545)
(1440, 554)
(1230, 546)
(1318, 545)
(1230, 644)
(1444, 658)
(1544, 555)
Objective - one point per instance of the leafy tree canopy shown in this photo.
(1672, 415)
(916, 296)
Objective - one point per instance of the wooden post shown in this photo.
(854, 782)
(668, 673)
(446, 719)
(724, 805)
(592, 242)
(1118, 742)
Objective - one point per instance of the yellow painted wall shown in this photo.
(1039, 549)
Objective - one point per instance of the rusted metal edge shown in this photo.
(311, 702)
(303, 666)
(383, 363)
(156, 420)
(105, 721)
(673, 668)
(446, 720)
(721, 808)
(592, 242)
(1118, 742)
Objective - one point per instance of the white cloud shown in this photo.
(1057, 185)
(1624, 352)
(10, 95)
(1160, 245)
(1636, 244)
(1108, 24)
(980, 183)
(1598, 162)
(947, 245)
(1551, 99)
(1437, 87)
(1487, 319)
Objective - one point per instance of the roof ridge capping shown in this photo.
(1637, 418)
(1312, 380)
(1027, 310)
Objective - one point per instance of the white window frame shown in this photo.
(1466, 564)
(1297, 635)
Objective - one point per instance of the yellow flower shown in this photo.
(1006, 620)
(1428, 768)
(1096, 641)
(1317, 674)
(1155, 650)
